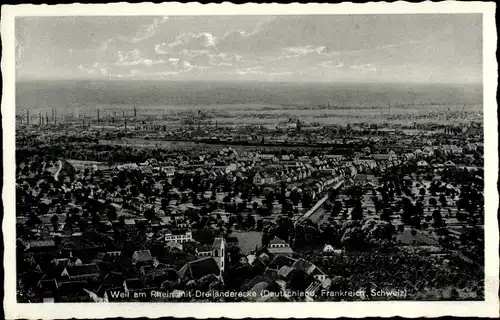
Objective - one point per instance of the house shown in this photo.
(257, 179)
(178, 235)
(199, 268)
(286, 273)
(279, 247)
(72, 291)
(203, 250)
(271, 273)
(449, 164)
(383, 157)
(309, 269)
(48, 289)
(133, 284)
(280, 261)
(81, 272)
(142, 257)
(41, 246)
(129, 224)
(422, 163)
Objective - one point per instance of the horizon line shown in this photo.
(248, 81)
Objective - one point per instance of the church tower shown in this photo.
(219, 253)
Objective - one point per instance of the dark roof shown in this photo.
(250, 284)
(280, 261)
(134, 284)
(71, 287)
(303, 265)
(48, 285)
(204, 248)
(199, 268)
(271, 273)
(83, 269)
(143, 255)
(178, 231)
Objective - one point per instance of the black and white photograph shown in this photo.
(180, 158)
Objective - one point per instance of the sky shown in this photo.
(422, 48)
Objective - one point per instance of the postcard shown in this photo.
(256, 160)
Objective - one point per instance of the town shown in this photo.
(113, 209)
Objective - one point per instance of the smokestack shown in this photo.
(55, 116)
(125, 124)
(97, 116)
(46, 118)
(28, 117)
(135, 112)
(40, 119)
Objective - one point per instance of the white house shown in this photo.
(178, 237)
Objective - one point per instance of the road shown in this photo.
(60, 164)
(317, 212)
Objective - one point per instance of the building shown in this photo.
(81, 272)
(178, 236)
(219, 253)
(309, 269)
(199, 268)
(279, 247)
(142, 257)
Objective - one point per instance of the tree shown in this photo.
(259, 225)
(386, 215)
(255, 205)
(357, 212)
(54, 220)
(436, 216)
(250, 221)
(422, 191)
(149, 214)
(433, 202)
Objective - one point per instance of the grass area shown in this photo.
(248, 240)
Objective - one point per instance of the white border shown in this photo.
(489, 308)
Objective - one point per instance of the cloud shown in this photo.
(258, 71)
(295, 52)
(148, 31)
(231, 34)
(188, 41)
(331, 64)
(369, 67)
(133, 58)
(131, 73)
(144, 32)
(93, 69)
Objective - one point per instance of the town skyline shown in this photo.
(426, 48)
